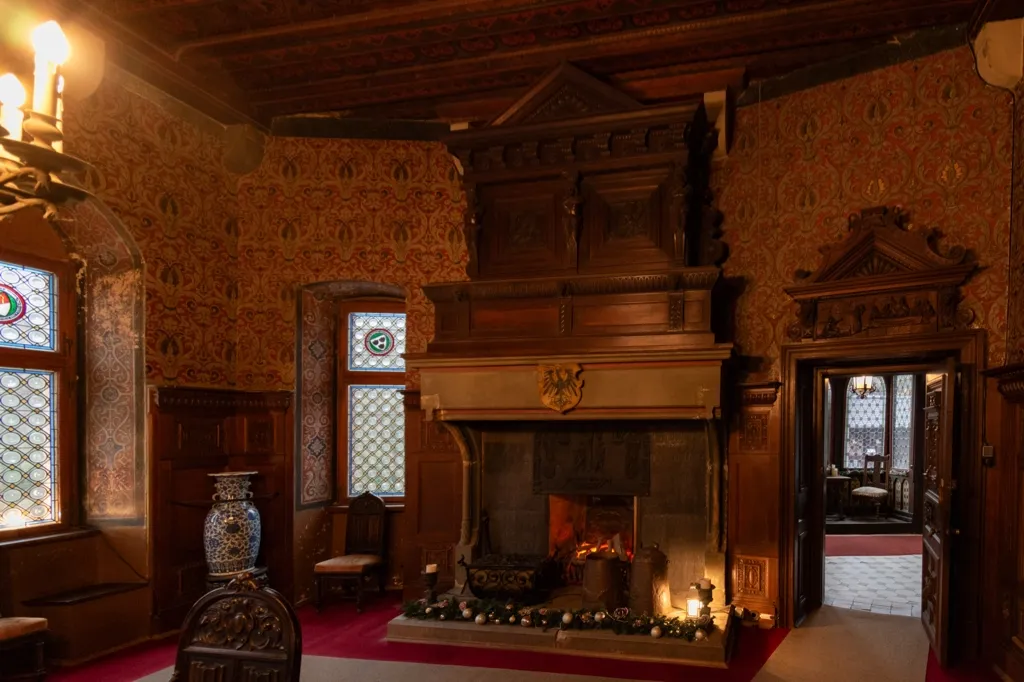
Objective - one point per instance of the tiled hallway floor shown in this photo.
(879, 584)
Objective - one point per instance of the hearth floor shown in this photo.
(712, 652)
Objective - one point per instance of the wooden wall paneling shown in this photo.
(523, 233)
(195, 432)
(753, 498)
(630, 219)
(1003, 608)
(433, 498)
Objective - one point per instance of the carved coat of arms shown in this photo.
(561, 388)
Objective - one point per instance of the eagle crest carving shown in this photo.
(561, 388)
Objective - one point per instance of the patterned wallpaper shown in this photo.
(319, 210)
(928, 135)
(1015, 309)
(164, 178)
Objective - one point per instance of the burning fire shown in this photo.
(613, 545)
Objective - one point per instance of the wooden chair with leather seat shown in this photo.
(23, 649)
(240, 632)
(873, 488)
(364, 552)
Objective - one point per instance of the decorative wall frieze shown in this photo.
(684, 279)
(762, 394)
(222, 400)
(1010, 380)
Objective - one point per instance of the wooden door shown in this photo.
(940, 450)
(809, 535)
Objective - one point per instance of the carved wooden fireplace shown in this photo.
(578, 369)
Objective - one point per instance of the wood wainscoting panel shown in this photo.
(196, 432)
(753, 463)
(433, 497)
(523, 235)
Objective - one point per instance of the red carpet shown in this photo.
(339, 632)
(872, 545)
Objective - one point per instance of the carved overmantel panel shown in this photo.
(577, 177)
(886, 278)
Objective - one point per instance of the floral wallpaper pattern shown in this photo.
(1015, 309)
(165, 179)
(319, 210)
(928, 135)
(316, 405)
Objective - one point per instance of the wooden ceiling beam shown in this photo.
(789, 23)
(136, 55)
(350, 24)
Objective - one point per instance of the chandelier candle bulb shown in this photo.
(12, 99)
(52, 50)
(58, 145)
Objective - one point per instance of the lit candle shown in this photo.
(58, 145)
(12, 99)
(52, 50)
(431, 568)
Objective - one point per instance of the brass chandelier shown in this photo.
(34, 170)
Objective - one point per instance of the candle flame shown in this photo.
(50, 43)
(12, 92)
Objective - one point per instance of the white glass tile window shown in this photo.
(865, 424)
(376, 440)
(902, 420)
(28, 447)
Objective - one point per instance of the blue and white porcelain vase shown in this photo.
(231, 535)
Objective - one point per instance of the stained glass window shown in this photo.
(865, 424)
(28, 447)
(28, 304)
(376, 342)
(376, 440)
(902, 420)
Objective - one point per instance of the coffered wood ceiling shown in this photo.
(469, 59)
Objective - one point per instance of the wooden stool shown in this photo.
(23, 649)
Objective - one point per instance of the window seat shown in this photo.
(83, 594)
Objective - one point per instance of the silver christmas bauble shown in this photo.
(442, 616)
(567, 618)
(599, 616)
(512, 619)
(467, 613)
(429, 610)
(700, 635)
(481, 619)
(656, 632)
(525, 622)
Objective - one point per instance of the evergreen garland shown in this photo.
(620, 621)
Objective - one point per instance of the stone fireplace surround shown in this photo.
(669, 399)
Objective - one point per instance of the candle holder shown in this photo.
(430, 586)
(43, 128)
(37, 177)
(706, 595)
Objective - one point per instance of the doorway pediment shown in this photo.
(886, 277)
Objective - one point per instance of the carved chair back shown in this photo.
(874, 472)
(364, 529)
(237, 633)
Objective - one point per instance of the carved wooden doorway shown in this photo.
(884, 297)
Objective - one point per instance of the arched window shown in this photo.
(37, 386)
(370, 402)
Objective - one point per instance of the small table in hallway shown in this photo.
(834, 493)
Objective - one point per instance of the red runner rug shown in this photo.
(872, 545)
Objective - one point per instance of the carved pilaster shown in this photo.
(571, 216)
(471, 229)
(680, 204)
